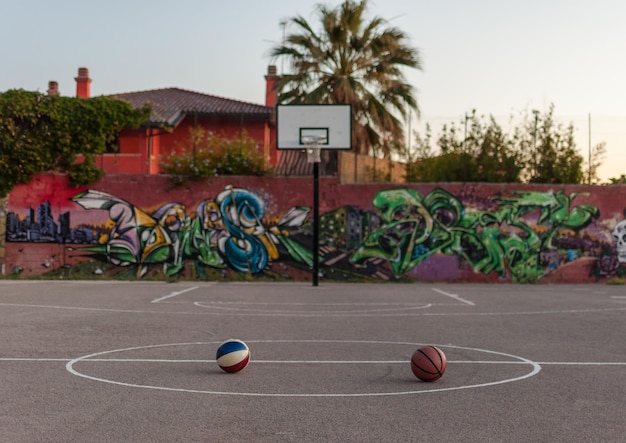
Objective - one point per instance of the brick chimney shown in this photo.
(83, 83)
(53, 88)
(271, 91)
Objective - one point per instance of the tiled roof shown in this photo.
(170, 105)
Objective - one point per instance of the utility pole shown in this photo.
(409, 154)
(535, 144)
(283, 25)
(465, 150)
(589, 164)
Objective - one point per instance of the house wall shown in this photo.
(227, 227)
(229, 128)
(140, 149)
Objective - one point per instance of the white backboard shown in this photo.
(299, 125)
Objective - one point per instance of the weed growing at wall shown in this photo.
(81, 174)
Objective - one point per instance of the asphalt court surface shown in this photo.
(135, 362)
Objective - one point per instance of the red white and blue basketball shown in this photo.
(233, 355)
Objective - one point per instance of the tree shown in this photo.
(541, 150)
(596, 156)
(417, 169)
(40, 133)
(492, 152)
(481, 152)
(549, 150)
(618, 181)
(351, 60)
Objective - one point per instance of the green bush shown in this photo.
(40, 133)
(209, 155)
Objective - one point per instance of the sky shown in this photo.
(498, 57)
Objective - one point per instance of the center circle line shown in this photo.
(536, 367)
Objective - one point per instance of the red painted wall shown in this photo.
(229, 128)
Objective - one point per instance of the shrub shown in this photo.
(210, 155)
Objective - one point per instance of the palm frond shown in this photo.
(350, 59)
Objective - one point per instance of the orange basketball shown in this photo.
(428, 363)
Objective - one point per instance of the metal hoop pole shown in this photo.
(314, 157)
(316, 224)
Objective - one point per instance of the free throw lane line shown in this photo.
(454, 296)
(174, 294)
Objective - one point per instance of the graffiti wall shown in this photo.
(227, 227)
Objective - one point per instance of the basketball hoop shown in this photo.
(313, 154)
(313, 128)
(314, 148)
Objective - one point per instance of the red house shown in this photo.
(174, 112)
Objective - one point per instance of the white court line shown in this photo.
(409, 304)
(364, 362)
(174, 294)
(454, 296)
(325, 362)
(536, 368)
(81, 308)
(328, 314)
(583, 363)
(257, 311)
(618, 296)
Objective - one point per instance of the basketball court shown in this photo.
(120, 361)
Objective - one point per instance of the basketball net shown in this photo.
(313, 154)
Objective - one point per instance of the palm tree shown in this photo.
(352, 61)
